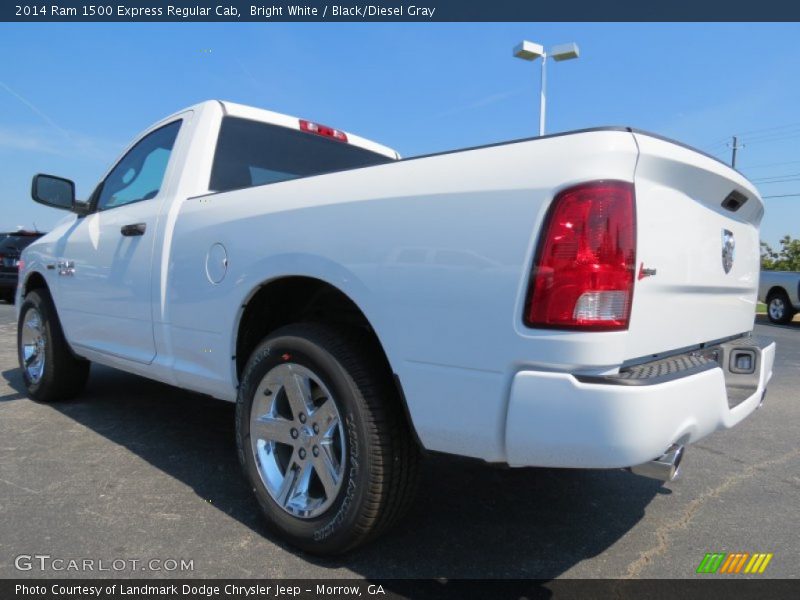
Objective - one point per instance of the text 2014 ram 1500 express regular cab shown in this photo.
(578, 300)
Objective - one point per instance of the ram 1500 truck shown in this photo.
(577, 300)
(780, 291)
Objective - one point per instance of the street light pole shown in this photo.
(529, 51)
(543, 95)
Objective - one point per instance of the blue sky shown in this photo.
(72, 95)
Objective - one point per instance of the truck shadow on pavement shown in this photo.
(469, 520)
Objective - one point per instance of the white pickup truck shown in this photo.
(780, 291)
(577, 300)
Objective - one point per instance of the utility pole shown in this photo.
(734, 147)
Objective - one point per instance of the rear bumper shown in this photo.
(559, 420)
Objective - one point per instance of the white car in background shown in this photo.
(579, 300)
(780, 291)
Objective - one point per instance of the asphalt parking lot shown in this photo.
(138, 470)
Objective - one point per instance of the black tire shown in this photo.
(63, 375)
(8, 296)
(381, 460)
(779, 308)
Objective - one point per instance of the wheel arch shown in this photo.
(295, 299)
(776, 290)
(34, 281)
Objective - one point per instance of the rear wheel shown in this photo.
(322, 438)
(8, 296)
(779, 309)
(50, 371)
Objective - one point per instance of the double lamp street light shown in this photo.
(530, 52)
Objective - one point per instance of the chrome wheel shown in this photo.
(297, 439)
(777, 308)
(32, 342)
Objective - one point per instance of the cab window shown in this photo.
(140, 173)
(253, 153)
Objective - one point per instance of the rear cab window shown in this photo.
(251, 153)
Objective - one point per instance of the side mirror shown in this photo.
(53, 191)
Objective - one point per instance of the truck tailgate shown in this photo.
(697, 249)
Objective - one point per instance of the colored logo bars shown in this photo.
(720, 562)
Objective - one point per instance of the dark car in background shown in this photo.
(11, 245)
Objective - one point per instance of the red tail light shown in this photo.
(585, 264)
(323, 130)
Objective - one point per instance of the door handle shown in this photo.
(133, 229)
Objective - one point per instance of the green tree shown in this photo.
(785, 259)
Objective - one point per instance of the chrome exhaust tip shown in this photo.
(666, 467)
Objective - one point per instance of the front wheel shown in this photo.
(50, 371)
(322, 438)
(779, 309)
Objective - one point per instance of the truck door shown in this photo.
(105, 260)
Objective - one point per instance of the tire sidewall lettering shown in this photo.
(352, 475)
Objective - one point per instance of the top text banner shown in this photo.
(399, 11)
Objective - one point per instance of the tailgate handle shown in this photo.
(134, 229)
(734, 201)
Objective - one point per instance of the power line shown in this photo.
(774, 164)
(777, 139)
(773, 128)
(774, 177)
(772, 134)
(777, 181)
(721, 142)
(782, 196)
